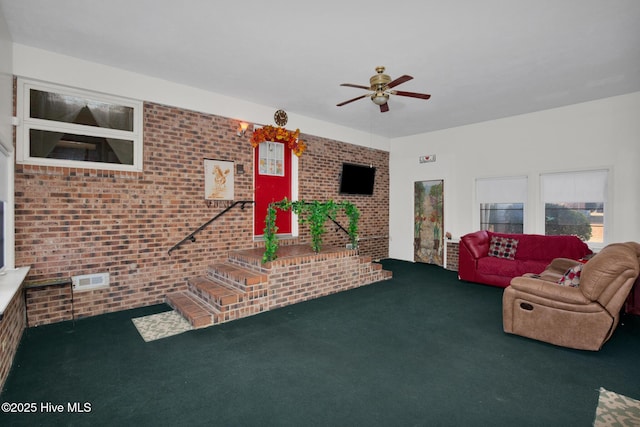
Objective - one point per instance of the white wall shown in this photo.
(30, 62)
(6, 141)
(6, 85)
(597, 134)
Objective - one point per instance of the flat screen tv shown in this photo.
(357, 179)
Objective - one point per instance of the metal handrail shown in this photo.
(192, 237)
(340, 227)
(337, 224)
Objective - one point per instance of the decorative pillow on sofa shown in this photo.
(571, 277)
(503, 247)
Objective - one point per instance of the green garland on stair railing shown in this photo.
(315, 214)
(354, 215)
(270, 239)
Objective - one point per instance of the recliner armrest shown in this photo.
(549, 290)
(561, 265)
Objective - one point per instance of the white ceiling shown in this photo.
(480, 60)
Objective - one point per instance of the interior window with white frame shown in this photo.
(575, 204)
(61, 126)
(502, 201)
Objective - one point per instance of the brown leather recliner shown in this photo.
(583, 317)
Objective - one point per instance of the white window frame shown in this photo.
(26, 123)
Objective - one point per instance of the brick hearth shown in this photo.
(243, 286)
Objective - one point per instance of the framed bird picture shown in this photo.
(218, 179)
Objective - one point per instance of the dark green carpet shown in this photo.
(420, 349)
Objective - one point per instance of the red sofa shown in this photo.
(533, 252)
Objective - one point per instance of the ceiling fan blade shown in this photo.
(384, 107)
(351, 100)
(356, 86)
(399, 80)
(411, 94)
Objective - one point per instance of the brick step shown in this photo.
(239, 287)
(251, 259)
(364, 259)
(219, 295)
(198, 313)
(373, 266)
(236, 276)
(368, 266)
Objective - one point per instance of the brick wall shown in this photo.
(452, 255)
(319, 169)
(81, 221)
(301, 275)
(11, 327)
(322, 275)
(49, 304)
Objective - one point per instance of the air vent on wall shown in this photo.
(90, 281)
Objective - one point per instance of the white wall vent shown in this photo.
(90, 281)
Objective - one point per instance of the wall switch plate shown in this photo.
(428, 158)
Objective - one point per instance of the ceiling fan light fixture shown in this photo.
(380, 98)
(380, 87)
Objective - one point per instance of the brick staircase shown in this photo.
(243, 286)
(226, 292)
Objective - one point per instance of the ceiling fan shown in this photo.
(381, 84)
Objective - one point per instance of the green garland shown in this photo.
(270, 239)
(315, 214)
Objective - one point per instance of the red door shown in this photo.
(272, 178)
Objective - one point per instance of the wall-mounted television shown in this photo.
(357, 179)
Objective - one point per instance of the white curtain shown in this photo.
(501, 190)
(43, 142)
(574, 187)
(71, 109)
(115, 117)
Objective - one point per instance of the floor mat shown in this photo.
(616, 410)
(161, 325)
